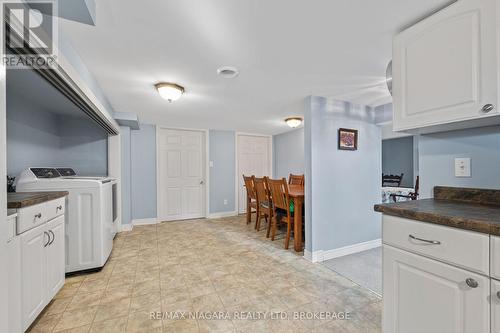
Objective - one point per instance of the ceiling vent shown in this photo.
(228, 72)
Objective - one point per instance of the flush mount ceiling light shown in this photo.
(228, 72)
(169, 91)
(293, 122)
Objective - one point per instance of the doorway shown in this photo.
(253, 157)
(181, 174)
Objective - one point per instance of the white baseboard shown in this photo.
(222, 214)
(322, 255)
(153, 220)
(126, 227)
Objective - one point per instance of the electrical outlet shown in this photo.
(211, 164)
(462, 167)
(225, 202)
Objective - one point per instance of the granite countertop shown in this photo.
(26, 199)
(469, 209)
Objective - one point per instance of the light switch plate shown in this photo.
(462, 167)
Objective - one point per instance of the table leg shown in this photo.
(297, 225)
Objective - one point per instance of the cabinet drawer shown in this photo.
(495, 257)
(30, 217)
(56, 208)
(463, 248)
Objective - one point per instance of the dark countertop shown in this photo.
(26, 199)
(469, 209)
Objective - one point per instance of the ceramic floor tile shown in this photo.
(115, 325)
(207, 266)
(76, 318)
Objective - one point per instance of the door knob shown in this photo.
(472, 283)
(488, 108)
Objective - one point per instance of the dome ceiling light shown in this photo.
(169, 91)
(293, 122)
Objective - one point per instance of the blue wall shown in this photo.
(38, 137)
(143, 172)
(342, 186)
(397, 158)
(222, 177)
(84, 146)
(126, 175)
(437, 154)
(288, 153)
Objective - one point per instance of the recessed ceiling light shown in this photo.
(228, 72)
(169, 91)
(293, 122)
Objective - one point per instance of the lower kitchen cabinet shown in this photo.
(55, 256)
(42, 267)
(495, 306)
(426, 295)
(33, 274)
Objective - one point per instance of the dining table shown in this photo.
(296, 193)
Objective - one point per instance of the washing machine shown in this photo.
(91, 213)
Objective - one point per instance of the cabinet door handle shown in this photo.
(488, 108)
(53, 237)
(432, 242)
(472, 283)
(38, 216)
(59, 208)
(48, 236)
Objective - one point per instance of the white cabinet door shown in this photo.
(495, 306)
(425, 295)
(33, 274)
(495, 257)
(445, 67)
(55, 262)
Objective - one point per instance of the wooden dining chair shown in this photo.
(296, 179)
(264, 202)
(281, 204)
(410, 196)
(251, 198)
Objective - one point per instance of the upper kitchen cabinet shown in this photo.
(445, 69)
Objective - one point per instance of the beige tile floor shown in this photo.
(204, 267)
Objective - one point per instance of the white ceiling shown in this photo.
(285, 50)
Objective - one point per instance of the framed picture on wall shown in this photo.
(348, 139)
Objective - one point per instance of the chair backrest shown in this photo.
(260, 190)
(279, 193)
(392, 180)
(249, 184)
(417, 187)
(296, 179)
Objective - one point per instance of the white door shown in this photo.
(254, 158)
(424, 295)
(55, 262)
(445, 67)
(495, 306)
(33, 273)
(181, 174)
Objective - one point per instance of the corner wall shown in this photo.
(143, 172)
(288, 153)
(342, 186)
